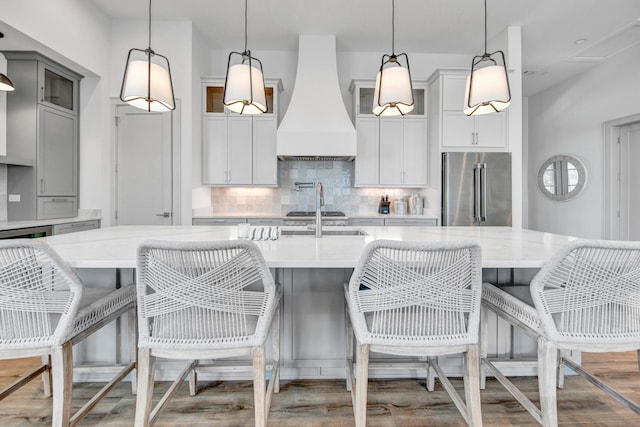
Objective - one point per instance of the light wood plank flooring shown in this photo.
(326, 403)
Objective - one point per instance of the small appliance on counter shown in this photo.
(400, 207)
(416, 204)
(383, 207)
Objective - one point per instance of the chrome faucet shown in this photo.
(319, 205)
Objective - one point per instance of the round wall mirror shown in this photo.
(561, 177)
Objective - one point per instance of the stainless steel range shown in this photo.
(308, 218)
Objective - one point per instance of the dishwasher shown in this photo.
(26, 233)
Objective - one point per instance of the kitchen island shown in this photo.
(312, 272)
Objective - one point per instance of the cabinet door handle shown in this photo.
(41, 93)
(42, 185)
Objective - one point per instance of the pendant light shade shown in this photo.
(487, 89)
(6, 84)
(393, 95)
(146, 83)
(244, 90)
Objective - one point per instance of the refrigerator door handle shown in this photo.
(477, 196)
(483, 189)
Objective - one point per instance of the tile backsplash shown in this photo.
(336, 178)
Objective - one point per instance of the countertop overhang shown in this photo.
(116, 247)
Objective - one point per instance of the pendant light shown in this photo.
(487, 88)
(393, 94)
(6, 84)
(147, 79)
(244, 90)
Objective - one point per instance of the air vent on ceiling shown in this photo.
(619, 40)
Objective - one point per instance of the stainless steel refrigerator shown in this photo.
(476, 189)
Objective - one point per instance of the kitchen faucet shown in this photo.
(319, 205)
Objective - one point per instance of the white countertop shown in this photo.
(115, 247)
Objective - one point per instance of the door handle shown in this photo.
(476, 193)
(165, 214)
(483, 189)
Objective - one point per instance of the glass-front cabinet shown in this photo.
(392, 151)
(238, 150)
(214, 92)
(57, 88)
(364, 91)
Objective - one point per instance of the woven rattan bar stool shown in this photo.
(419, 300)
(586, 298)
(45, 310)
(205, 300)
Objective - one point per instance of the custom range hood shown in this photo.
(316, 125)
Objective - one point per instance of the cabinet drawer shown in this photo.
(409, 222)
(73, 227)
(364, 222)
(57, 207)
(265, 221)
(218, 221)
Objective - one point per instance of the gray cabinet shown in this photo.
(218, 221)
(366, 222)
(237, 220)
(411, 222)
(265, 222)
(74, 227)
(42, 127)
(57, 152)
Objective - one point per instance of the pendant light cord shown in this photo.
(245, 25)
(485, 27)
(149, 24)
(393, 27)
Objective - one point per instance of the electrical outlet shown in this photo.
(14, 197)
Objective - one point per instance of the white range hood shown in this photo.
(316, 124)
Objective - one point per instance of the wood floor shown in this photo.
(403, 403)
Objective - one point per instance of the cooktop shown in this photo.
(313, 213)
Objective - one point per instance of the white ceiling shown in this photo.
(549, 27)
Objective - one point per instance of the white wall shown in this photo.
(568, 119)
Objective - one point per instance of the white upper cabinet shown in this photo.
(238, 150)
(457, 131)
(392, 151)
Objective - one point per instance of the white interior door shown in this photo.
(143, 167)
(629, 225)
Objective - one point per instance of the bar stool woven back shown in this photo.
(205, 300)
(44, 310)
(585, 298)
(416, 299)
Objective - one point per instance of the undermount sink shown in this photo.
(324, 233)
